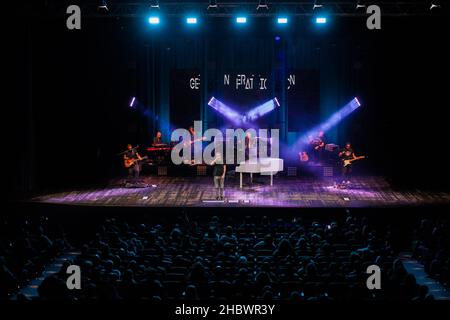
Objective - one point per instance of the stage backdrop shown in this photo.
(311, 78)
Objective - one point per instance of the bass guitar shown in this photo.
(131, 162)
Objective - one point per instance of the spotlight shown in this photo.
(435, 4)
(191, 20)
(282, 20)
(225, 110)
(360, 5)
(276, 101)
(262, 109)
(132, 102)
(102, 6)
(332, 121)
(238, 118)
(321, 20)
(154, 4)
(212, 4)
(153, 20)
(241, 20)
(317, 5)
(263, 4)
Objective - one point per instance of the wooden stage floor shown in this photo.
(286, 192)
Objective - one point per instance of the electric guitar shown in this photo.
(349, 161)
(195, 140)
(130, 162)
(304, 156)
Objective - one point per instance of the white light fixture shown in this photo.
(212, 4)
(263, 4)
(317, 5)
(154, 4)
(435, 4)
(103, 5)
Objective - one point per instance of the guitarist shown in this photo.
(347, 154)
(133, 155)
(318, 147)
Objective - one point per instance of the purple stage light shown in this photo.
(339, 115)
(238, 118)
(333, 120)
(276, 101)
(226, 111)
(133, 99)
(262, 109)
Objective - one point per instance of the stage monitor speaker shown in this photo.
(136, 185)
(162, 171)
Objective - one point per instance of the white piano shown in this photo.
(263, 166)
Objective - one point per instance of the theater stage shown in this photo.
(286, 192)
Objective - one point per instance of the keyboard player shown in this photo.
(157, 140)
(159, 151)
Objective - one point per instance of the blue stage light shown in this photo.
(241, 20)
(153, 20)
(282, 20)
(321, 20)
(191, 20)
(329, 123)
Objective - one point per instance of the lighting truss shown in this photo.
(138, 8)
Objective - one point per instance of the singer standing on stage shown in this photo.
(219, 171)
